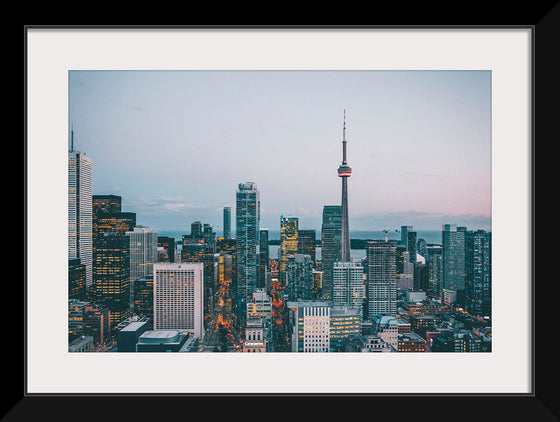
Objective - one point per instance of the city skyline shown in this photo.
(394, 299)
(174, 145)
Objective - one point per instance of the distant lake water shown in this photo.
(430, 236)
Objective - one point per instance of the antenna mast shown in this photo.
(72, 138)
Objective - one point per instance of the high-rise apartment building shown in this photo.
(299, 277)
(80, 241)
(404, 235)
(331, 245)
(348, 284)
(453, 244)
(434, 262)
(405, 270)
(478, 273)
(263, 258)
(227, 223)
(381, 279)
(247, 243)
(412, 246)
(178, 299)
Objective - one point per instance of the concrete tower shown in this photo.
(344, 171)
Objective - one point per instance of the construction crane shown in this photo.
(386, 231)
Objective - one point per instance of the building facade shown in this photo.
(453, 244)
(178, 297)
(307, 243)
(143, 244)
(167, 246)
(76, 279)
(381, 278)
(299, 277)
(478, 273)
(227, 223)
(111, 275)
(331, 245)
(264, 256)
(247, 243)
(80, 230)
(310, 326)
(348, 284)
(288, 241)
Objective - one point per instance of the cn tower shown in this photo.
(344, 171)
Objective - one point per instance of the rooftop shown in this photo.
(134, 325)
(161, 336)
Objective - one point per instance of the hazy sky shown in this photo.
(175, 144)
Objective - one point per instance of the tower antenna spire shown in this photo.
(72, 138)
(344, 139)
(344, 172)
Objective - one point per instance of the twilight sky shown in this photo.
(175, 144)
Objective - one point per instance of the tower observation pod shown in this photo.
(344, 172)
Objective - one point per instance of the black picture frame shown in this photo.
(539, 405)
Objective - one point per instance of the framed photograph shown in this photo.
(180, 122)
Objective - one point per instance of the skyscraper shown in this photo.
(288, 241)
(381, 279)
(80, 243)
(478, 273)
(168, 245)
(306, 243)
(196, 229)
(178, 297)
(76, 279)
(331, 245)
(106, 204)
(299, 277)
(112, 222)
(143, 244)
(412, 246)
(404, 235)
(453, 244)
(348, 283)
(227, 222)
(434, 261)
(111, 275)
(247, 243)
(263, 258)
(344, 172)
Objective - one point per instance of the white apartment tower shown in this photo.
(80, 209)
(381, 279)
(178, 301)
